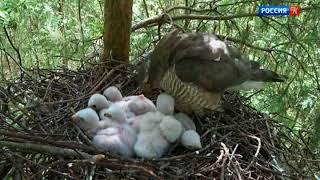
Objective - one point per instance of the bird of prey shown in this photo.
(98, 102)
(115, 113)
(157, 130)
(191, 139)
(150, 143)
(165, 104)
(117, 139)
(186, 121)
(113, 94)
(196, 68)
(88, 120)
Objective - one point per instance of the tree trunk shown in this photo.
(117, 29)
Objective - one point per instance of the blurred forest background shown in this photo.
(37, 34)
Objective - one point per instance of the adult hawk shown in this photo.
(196, 68)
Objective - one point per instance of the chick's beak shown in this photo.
(108, 115)
(94, 107)
(75, 118)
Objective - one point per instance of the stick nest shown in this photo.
(38, 139)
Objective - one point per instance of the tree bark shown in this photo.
(117, 29)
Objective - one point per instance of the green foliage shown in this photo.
(49, 37)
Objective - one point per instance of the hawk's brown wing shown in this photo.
(159, 57)
(208, 62)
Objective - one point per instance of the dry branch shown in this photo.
(49, 150)
(165, 18)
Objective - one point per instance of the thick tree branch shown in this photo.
(189, 9)
(24, 136)
(165, 18)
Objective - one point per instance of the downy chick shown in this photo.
(190, 139)
(165, 104)
(118, 139)
(150, 143)
(170, 128)
(140, 105)
(113, 94)
(88, 120)
(185, 120)
(98, 102)
(114, 112)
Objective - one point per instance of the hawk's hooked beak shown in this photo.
(149, 87)
(143, 70)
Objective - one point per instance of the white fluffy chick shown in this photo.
(113, 94)
(114, 112)
(186, 121)
(98, 102)
(118, 139)
(150, 143)
(165, 104)
(88, 120)
(170, 129)
(124, 106)
(136, 105)
(147, 122)
(191, 140)
(140, 105)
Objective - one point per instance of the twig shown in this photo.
(24, 136)
(18, 54)
(50, 150)
(226, 155)
(255, 155)
(232, 154)
(105, 77)
(126, 166)
(280, 173)
(35, 164)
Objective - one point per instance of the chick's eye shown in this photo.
(94, 106)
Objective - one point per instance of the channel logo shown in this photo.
(279, 10)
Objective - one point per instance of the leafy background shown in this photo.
(58, 33)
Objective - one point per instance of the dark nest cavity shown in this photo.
(38, 139)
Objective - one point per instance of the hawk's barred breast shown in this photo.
(189, 97)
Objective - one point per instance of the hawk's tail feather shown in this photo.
(267, 76)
